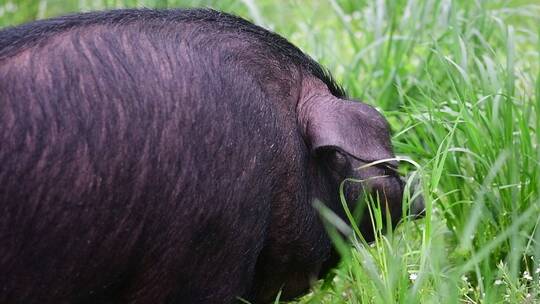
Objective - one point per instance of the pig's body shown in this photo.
(158, 157)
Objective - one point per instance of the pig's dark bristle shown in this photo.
(16, 39)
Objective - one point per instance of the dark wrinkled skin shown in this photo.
(171, 157)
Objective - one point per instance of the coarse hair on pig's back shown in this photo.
(18, 38)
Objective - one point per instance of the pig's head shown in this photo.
(351, 140)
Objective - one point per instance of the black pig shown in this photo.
(172, 156)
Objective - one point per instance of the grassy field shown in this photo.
(460, 83)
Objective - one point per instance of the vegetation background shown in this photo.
(459, 81)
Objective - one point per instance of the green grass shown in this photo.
(459, 82)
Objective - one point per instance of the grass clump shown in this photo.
(459, 83)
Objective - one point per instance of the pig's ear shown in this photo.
(349, 126)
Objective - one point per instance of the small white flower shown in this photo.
(464, 278)
(527, 276)
(413, 276)
(528, 295)
(537, 270)
(498, 282)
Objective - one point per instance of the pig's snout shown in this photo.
(391, 187)
(417, 206)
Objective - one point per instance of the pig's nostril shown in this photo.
(418, 207)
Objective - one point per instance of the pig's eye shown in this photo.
(337, 161)
(389, 169)
(339, 157)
